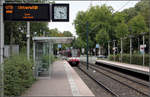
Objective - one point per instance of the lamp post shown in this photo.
(1, 49)
(108, 48)
(121, 49)
(114, 48)
(28, 40)
(130, 36)
(144, 48)
(1, 32)
(87, 46)
(87, 34)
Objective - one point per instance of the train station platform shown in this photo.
(131, 67)
(64, 81)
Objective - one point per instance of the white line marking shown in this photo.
(73, 86)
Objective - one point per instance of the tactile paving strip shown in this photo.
(73, 86)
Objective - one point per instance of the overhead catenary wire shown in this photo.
(123, 6)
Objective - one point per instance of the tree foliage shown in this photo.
(104, 25)
(137, 24)
(101, 23)
(95, 18)
(67, 34)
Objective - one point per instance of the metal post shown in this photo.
(108, 48)
(98, 51)
(114, 49)
(130, 49)
(50, 57)
(87, 45)
(1, 32)
(1, 49)
(144, 50)
(149, 48)
(149, 45)
(138, 45)
(44, 34)
(28, 40)
(34, 68)
(121, 49)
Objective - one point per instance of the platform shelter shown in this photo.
(43, 53)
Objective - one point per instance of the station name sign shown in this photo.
(26, 12)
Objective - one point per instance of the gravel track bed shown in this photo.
(94, 87)
(140, 81)
(135, 85)
(115, 86)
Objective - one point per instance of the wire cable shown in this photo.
(123, 6)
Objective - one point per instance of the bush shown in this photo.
(18, 75)
(136, 58)
(46, 59)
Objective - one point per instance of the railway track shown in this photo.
(117, 87)
(138, 86)
(97, 89)
(100, 84)
(138, 81)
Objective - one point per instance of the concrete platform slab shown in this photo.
(63, 82)
(132, 67)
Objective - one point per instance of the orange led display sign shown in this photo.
(28, 7)
(26, 12)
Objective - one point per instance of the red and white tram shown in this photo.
(72, 56)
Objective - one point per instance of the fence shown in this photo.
(10, 50)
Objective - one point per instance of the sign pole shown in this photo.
(144, 50)
(1, 49)
(28, 40)
(121, 49)
(114, 49)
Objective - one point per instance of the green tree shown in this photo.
(67, 34)
(98, 17)
(55, 33)
(102, 37)
(120, 27)
(137, 25)
(15, 32)
(130, 13)
(121, 30)
(144, 8)
(79, 43)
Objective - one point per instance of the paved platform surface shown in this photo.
(64, 81)
(136, 68)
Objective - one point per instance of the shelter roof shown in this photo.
(54, 39)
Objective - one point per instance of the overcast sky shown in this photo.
(76, 6)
